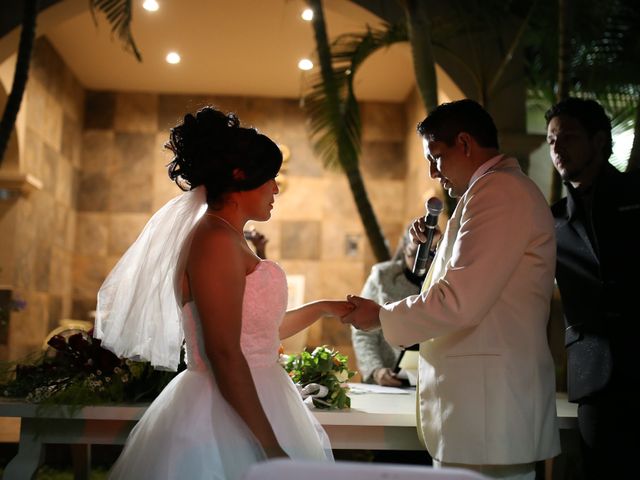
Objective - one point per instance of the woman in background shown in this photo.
(388, 281)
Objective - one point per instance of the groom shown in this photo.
(486, 376)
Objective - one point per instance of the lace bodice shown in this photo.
(263, 307)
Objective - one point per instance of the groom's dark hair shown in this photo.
(449, 119)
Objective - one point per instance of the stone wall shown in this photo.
(99, 156)
(43, 222)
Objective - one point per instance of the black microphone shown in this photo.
(434, 207)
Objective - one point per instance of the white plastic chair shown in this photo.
(305, 470)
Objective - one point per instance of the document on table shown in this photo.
(357, 388)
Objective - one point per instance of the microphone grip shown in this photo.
(422, 256)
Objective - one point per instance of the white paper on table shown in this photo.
(357, 388)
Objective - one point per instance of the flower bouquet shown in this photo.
(77, 370)
(324, 368)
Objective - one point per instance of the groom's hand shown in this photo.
(365, 315)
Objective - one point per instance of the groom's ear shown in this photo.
(465, 141)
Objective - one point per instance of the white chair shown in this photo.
(304, 470)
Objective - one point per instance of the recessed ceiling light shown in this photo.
(307, 14)
(173, 58)
(305, 64)
(150, 5)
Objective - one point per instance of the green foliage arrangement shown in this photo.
(326, 367)
(77, 371)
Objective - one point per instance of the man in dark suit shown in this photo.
(598, 271)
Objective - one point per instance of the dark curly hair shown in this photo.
(211, 148)
(589, 114)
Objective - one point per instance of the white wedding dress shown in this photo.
(191, 432)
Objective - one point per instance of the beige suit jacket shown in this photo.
(487, 380)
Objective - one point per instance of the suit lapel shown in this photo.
(578, 227)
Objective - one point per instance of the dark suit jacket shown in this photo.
(599, 284)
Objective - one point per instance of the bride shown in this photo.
(190, 274)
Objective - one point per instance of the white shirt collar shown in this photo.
(482, 169)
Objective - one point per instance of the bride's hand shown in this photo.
(338, 308)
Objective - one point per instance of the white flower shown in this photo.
(342, 375)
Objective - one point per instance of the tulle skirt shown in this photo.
(191, 432)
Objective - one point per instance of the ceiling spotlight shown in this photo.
(173, 58)
(307, 14)
(305, 64)
(150, 5)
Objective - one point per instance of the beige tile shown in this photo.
(340, 278)
(172, 109)
(99, 110)
(295, 121)
(73, 97)
(52, 122)
(33, 154)
(92, 234)
(383, 121)
(42, 266)
(65, 180)
(49, 169)
(303, 199)
(131, 181)
(62, 215)
(226, 103)
(339, 233)
(72, 140)
(25, 252)
(302, 161)
(383, 160)
(88, 274)
(81, 307)
(300, 240)
(124, 228)
(98, 151)
(60, 272)
(338, 198)
(54, 312)
(136, 112)
(8, 219)
(93, 192)
(336, 334)
(29, 326)
(387, 198)
(70, 229)
(35, 103)
(264, 114)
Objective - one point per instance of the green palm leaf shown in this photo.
(119, 14)
(335, 125)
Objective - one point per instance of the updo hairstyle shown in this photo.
(211, 148)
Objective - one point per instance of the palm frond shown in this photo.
(338, 140)
(119, 14)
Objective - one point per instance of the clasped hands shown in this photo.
(364, 314)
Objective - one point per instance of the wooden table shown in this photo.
(374, 422)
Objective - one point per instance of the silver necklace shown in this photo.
(226, 222)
